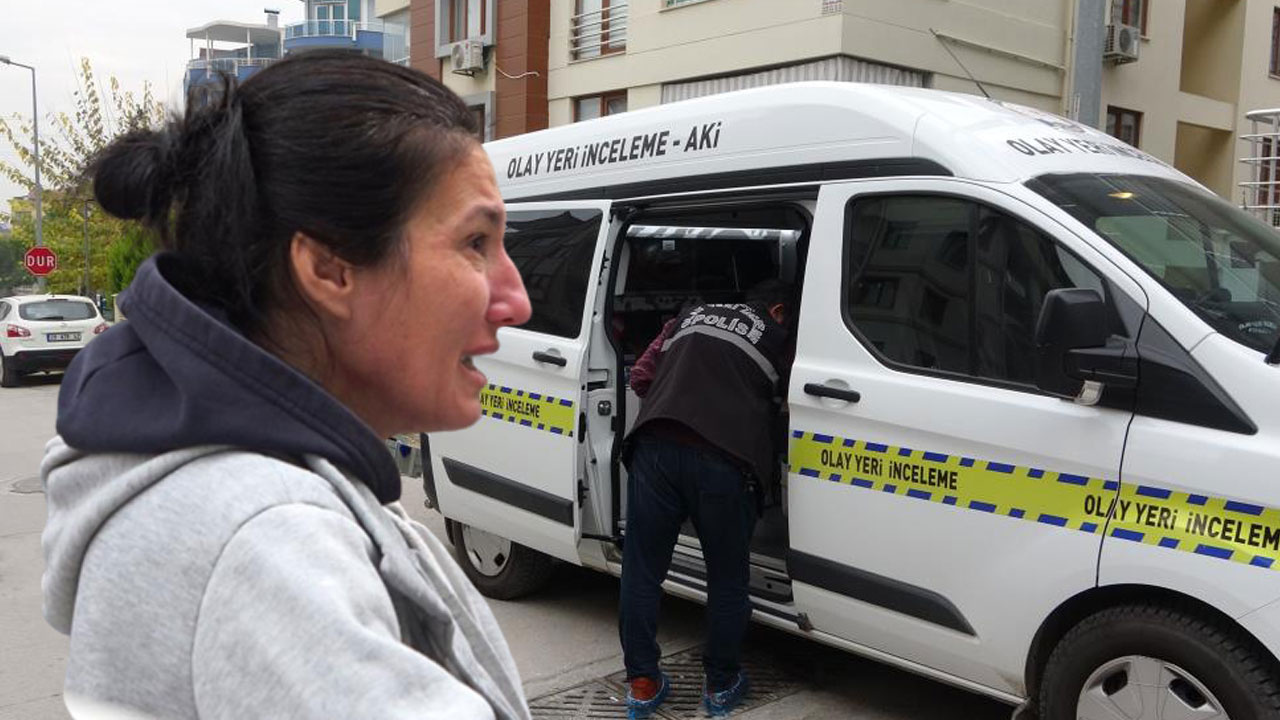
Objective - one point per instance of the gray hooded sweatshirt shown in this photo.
(223, 540)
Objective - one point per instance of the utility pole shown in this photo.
(35, 125)
(1090, 37)
(85, 215)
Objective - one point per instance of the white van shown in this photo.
(1034, 414)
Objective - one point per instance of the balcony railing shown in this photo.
(334, 28)
(231, 65)
(599, 32)
(1262, 190)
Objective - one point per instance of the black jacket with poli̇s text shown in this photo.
(717, 370)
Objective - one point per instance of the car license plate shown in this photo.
(62, 337)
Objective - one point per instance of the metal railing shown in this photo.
(334, 28)
(599, 32)
(230, 65)
(1262, 190)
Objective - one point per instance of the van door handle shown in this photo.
(827, 391)
(544, 356)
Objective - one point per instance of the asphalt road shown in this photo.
(564, 637)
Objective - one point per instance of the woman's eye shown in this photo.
(477, 243)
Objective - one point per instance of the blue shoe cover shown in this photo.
(722, 703)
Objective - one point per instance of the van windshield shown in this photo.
(1219, 261)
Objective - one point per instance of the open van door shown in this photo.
(516, 473)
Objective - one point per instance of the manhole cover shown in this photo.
(27, 486)
(605, 698)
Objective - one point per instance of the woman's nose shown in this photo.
(508, 302)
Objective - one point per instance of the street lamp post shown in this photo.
(85, 215)
(35, 124)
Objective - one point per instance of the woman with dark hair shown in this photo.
(224, 537)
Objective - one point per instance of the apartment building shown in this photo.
(1200, 65)
(378, 28)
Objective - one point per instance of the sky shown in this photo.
(137, 41)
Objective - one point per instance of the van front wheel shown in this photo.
(499, 568)
(1151, 662)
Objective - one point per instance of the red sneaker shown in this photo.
(644, 689)
(645, 695)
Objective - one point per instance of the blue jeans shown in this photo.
(670, 482)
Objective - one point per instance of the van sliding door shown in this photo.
(516, 472)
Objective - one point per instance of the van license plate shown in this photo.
(63, 337)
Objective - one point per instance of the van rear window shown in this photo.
(56, 310)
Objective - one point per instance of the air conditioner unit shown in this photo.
(1122, 44)
(467, 57)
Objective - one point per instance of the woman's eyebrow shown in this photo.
(489, 213)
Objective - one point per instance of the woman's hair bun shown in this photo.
(133, 176)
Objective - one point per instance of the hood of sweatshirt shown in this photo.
(167, 386)
(177, 375)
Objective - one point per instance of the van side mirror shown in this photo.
(1076, 356)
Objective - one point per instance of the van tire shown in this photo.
(9, 377)
(1238, 674)
(520, 572)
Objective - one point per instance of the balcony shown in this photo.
(238, 49)
(199, 71)
(375, 38)
(597, 33)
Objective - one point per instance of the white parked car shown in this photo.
(43, 332)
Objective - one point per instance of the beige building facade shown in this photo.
(1203, 64)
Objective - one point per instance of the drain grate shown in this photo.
(604, 698)
(591, 701)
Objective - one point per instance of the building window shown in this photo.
(1124, 124)
(457, 19)
(477, 111)
(591, 107)
(599, 27)
(1275, 42)
(1131, 12)
(330, 18)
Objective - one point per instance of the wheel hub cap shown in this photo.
(1137, 687)
(487, 553)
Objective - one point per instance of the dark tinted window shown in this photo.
(947, 284)
(56, 310)
(553, 250)
(4, 310)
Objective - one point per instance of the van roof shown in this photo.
(840, 126)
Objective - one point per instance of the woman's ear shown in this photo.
(325, 281)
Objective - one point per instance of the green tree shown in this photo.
(12, 273)
(124, 256)
(68, 210)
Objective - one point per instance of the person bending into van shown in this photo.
(701, 448)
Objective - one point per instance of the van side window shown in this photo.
(553, 250)
(950, 285)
